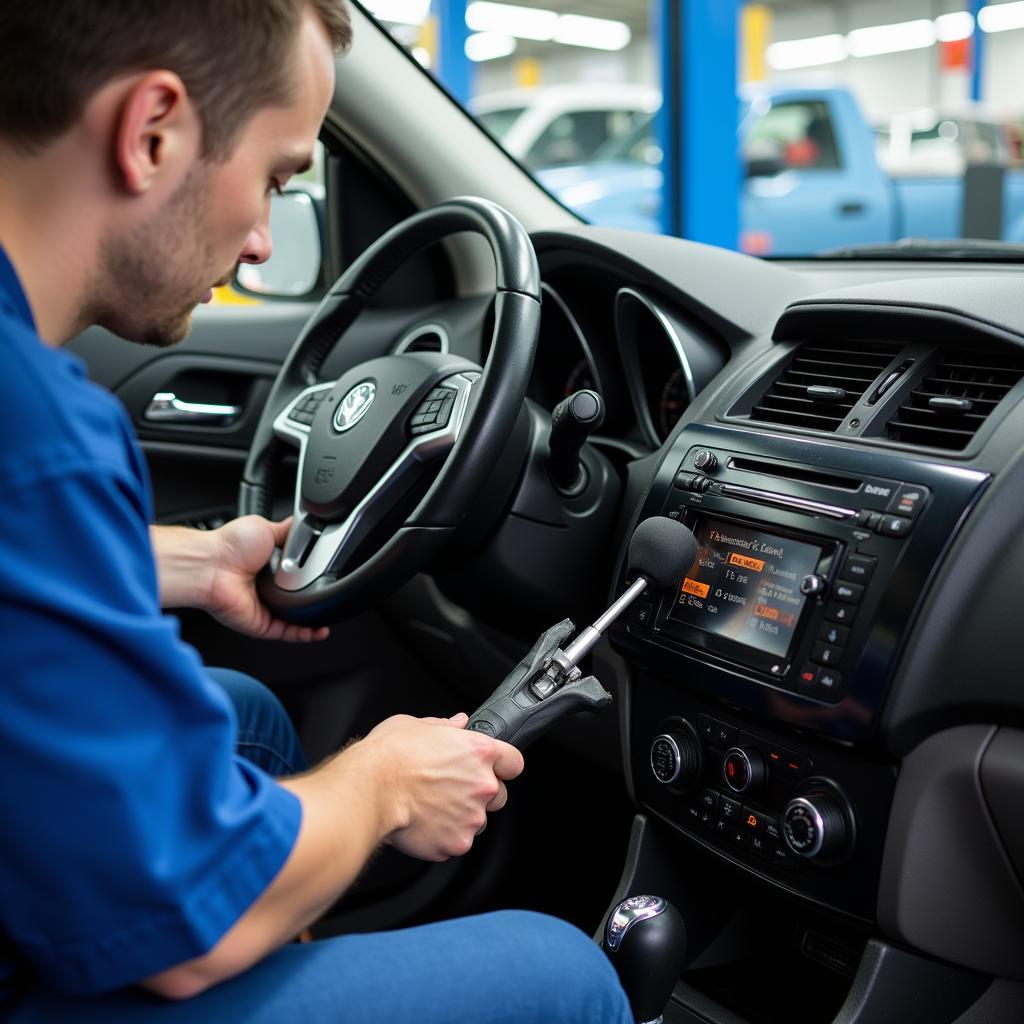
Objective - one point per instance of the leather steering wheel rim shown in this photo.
(486, 417)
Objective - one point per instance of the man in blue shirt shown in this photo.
(142, 857)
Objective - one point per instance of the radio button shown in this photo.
(895, 526)
(830, 681)
(848, 593)
(909, 501)
(705, 461)
(836, 612)
(808, 675)
(832, 633)
(825, 655)
(858, 568)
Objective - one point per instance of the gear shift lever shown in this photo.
(546, 684)
(645, 939)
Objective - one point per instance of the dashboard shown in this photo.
(644, 358)
(844, 441)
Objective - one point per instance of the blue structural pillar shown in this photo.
(697, 124)
(454, 67)
(977, 51)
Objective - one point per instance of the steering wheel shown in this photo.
(370, 442)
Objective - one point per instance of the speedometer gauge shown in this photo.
(672, 403)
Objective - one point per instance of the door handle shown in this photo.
(851, 208)
(166, 407)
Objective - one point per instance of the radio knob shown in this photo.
(705, 460)
(675, 757)
(814, 826)
(743, 769)
(813, 584)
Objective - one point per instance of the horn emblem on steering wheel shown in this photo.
(354, 406)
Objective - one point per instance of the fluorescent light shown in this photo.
(1001, 18)
(512, 20)
(806, 53)
(952, 27)
(489, 45)
(547, 26)
(597, 33)
(402, 12)
(904, 35)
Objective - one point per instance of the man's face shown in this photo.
(152, 277)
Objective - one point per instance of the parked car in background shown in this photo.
(941, 142)
(813, 177)
(564, 124)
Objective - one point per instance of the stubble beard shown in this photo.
(149, 280)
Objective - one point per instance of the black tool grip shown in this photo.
(515, 714)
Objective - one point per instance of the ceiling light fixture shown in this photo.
(1001, 18)
(806, 53)
(546, 26)
(950, 28)
(596, 33)
(400, 12)
(512, 20)
(483, 46)
(897, 38)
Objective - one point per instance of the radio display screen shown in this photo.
(745, 586)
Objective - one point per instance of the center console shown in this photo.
(762, 674)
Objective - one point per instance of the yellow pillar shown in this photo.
(755, 33)
(527, 72)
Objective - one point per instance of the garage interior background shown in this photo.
(912, 58)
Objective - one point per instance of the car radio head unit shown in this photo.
(746, 595)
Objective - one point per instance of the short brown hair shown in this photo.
(232, 56)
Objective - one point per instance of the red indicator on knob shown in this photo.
(743, 769)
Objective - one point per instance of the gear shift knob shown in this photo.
(645, 939)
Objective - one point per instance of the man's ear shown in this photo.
(157, 132)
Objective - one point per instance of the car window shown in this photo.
(598, 103)
(574, 137)
(498, 122)
(802, 133)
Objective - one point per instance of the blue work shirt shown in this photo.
(133, 837)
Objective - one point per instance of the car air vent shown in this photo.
(947, 408)
(822, 384)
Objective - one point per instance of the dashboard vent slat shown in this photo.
(851, 370)
(982, 377)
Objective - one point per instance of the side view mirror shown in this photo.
(293, 269)
(763, 159)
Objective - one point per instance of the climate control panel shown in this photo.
(807, 815)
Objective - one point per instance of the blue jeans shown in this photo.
(266, 736)
(510, 967)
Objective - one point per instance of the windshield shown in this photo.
(782, 128)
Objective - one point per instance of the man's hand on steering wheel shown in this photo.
(242, 548)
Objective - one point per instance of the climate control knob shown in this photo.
(675, 756)
(743, 769)
(814, 826)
